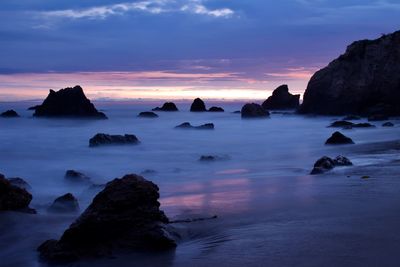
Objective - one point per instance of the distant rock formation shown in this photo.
(13, 197)
(325, 164)
(282, 99)
(65, 203)
(9, 114)
(198, 106)
(364, 80)
(187, 125)
(108, 139)
(215, 109)
(124, 215)
(388, 124)
(76, 177)
(253, 110)
(167, 106)
(147, 114)
(338, 138)
(68, 102)
(350, 125)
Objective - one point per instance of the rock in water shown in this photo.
(167, 106)
(107, 139)
(9, 114)
(342, 161)
(216, 109)
(147, 114)
(282, 99)
(364, 80)
(13, 197)
(75, 176)
(125, 215)
(341, 124)
(65, 203)
(187, 125)
(338, 138)
(68, 102)
(388, 124)
(325, 164)
(253, 110)
(198, 106)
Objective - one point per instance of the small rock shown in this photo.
(341, 124)
(216, 109)
(75, 176)
(236, 112)
(363, 125)
(198, 106)
(167, 106)
(13, 198)
(148, 172)
(147, 114)
(187, 125)
(107, 139)
(9, 114)
(254, 110)
(338, 138)
(322, 165)
(207, 158)
(365, 177)
(342, 161)
(388, 124)
(65, 203)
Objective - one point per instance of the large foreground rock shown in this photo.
(282, 99)
(68, 102)
(253, 110)
(167, 106)
(125, 215)
(364, 80)
(13, 197)
(108, 139)
(198, 106)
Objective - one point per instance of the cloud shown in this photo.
(197, 8)
(300, 73)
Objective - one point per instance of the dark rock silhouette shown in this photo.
(167, 106)
(341, 124)
(198, 106)
(123, 216)
(75, 176)
(388, 124)
(147, 114)
(65, 203)
(253, 110)
(208, 158)
(325, 164)
(107, 139)
(68, 102)
(216, 109)
(350, 125)
(187, 125)
(351, 118)
(362, 81)
(13, 197)
(9, 114)
(282, 99)
(19, 182)
(338, 138)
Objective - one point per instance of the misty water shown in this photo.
(271, 212)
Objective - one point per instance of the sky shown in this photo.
(178, 49)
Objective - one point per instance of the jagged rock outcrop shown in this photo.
(187, 125)
(325, 164)
(108, 139)
(68, 102)
(364, 80)
(198, 106)
(147, 114)
(282, 99)
(125, 215)
(9, 114)
(167, 106)
(65, 203)
(13, 197)
(253, 110)
(216, 109)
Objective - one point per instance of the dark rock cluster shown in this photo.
(187, 125)
(108, 139)
(325, 164)
(281, 99)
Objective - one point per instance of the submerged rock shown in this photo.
(338, 138)
(282, 99)
(253, 110)
(198, 106)
(107, 139)
(13, 197)
(75, 176)
(147, 114)
(342, 161)
(167, 106)
(126, 215)
(216, 109)
(9, 114)
(19, 182)
(325, 164)
(187, 125)
(362, 81)
(68, 102)
(388, 124)
(65, 203)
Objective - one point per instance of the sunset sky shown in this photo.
(178, 49)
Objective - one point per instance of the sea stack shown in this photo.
(362, 81)
(198, 106)
(253, 110)
(282, 99)
(68, 102)
(167, 106)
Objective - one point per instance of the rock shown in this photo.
(124, 216)
(208, 158)
(19, 182)
(148, 172)
(253, 110)
(341, 124)
(216, 109)
(362, 81)
(187, 125)
(75, 176)
(378, 117)
(198, 106)
(282, 99)
(363, 125)
(325, 164)
(351, 118)
(167, 106)
(338, 138)
(147, 114)
(65, 203)
(33, 107)
(107, 139)
(9, 114)
(236, 112)
(68, 102)
(12, 197)
(388, 124)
